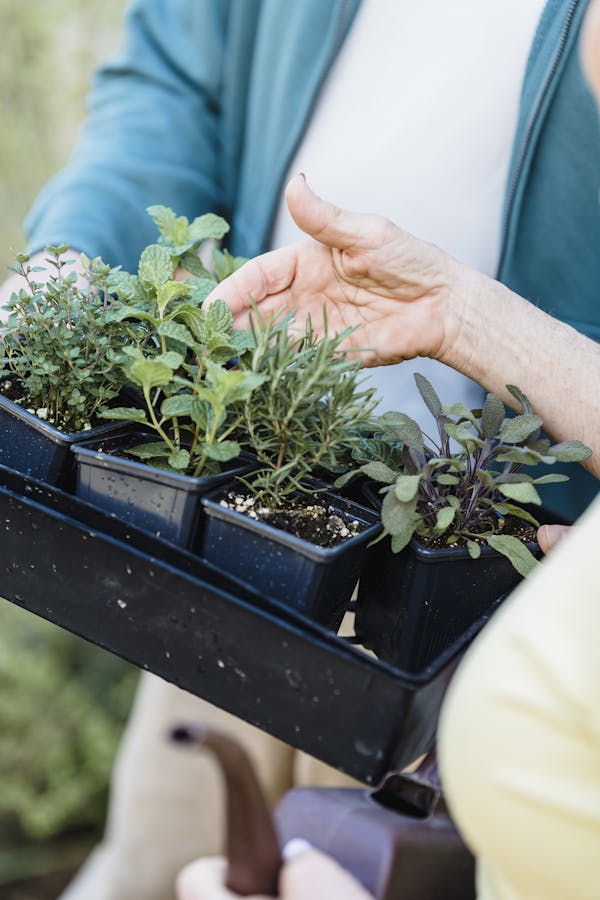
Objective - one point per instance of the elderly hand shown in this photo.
(308, 876)
(548, 536)
(365, 270)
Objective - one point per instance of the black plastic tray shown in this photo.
(169, 612)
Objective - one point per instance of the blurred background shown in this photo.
(62, 702)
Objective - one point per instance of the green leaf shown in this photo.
(173, 228)
(462, 434)
(219, 317)
(179, 459)
(569, 451)
(551, 479)
(520, 556)
(200, 413)
(406, 486)
(150, 373)
(179, 405)
(378, 471)
(427, 392)
(444, 519)
(523, 456)
(403, 428)
(474, 549)
(176, 332)
(522, 492)
(208, 226)
(171, 359)
(155, 266)
(518, 429)
(508, 509)
(120, 313)
(399, 519)
(522, 398)
(200, 288)
(241, 341)
(343, 480)
(223, 451)
(129, 414)
(492, 416)
(153, 450)
(194, 265)
(446, 478)
(170, 291)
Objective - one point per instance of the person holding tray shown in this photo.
(519, 737)
(456, 119)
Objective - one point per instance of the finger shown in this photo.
(329, 224)
(271, 273)
(314, 876)
(548, 536)
(203, 880)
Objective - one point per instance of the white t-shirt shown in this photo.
(416, 122)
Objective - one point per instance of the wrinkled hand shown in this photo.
(365, 270)
(308, 876)
(548, 536)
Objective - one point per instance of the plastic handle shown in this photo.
(252, 848)
(413, 793)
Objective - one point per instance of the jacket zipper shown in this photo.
(531, 125)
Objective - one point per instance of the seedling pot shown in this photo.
(162, 502)
(316, 581)
(413, 604)
(35, 447)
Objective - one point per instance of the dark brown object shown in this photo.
(397, 840)
(252, 848)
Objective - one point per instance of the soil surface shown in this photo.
(510, 525)
(309, 518)
(12, 389)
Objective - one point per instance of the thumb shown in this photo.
(330, 224)
(548, 536)
(314, 876)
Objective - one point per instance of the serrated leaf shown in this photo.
(474, 549)
(170, 358)
(492, 416)
(126, 413)
(150, 373)
(427, 392)
(155, 265)
(569, 451)
(219, 317)
(241, 341)
(522, 492)
(518, 429)
(406, 487)
(378, 471)
(200, 288)
(201, 413)
(177, 332)
(179, 459)
(173, 228)
(170, 291)
(223, 451)
(444, 519)
(194, 265)
(520, 556)
(120, 313)
(208, 226)
(179, 405)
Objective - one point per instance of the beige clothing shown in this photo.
(520, 733)
(166, 804)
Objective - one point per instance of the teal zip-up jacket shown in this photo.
(209, 99)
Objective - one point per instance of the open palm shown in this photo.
(364, 270)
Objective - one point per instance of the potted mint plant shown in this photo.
(458, 527)
(277, 529)
(57, 373)
(187, 397)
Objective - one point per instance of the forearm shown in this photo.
(498, 338)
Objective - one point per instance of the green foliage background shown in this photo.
(62, 702)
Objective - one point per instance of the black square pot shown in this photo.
(316, 581)
(34, 447)
(413, 604)
(164, 503)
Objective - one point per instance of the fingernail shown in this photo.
(302, 175)
(295, 847)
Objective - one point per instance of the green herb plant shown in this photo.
(448, 495)
(59, 341)
(307, 411)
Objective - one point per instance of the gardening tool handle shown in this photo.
(252, 847)
(415, 793)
